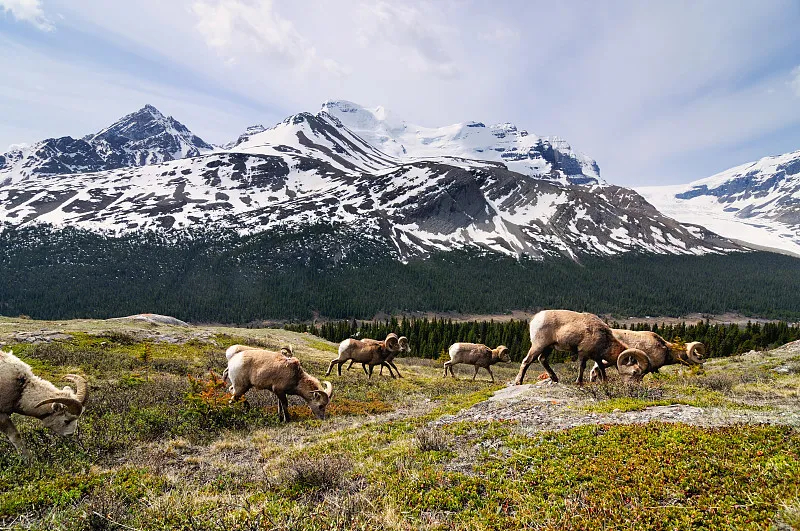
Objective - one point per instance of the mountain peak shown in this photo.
(151, 110)
(518, 150)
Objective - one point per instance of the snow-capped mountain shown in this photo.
(313, 169)
(757, 203)
(518, 150)
(140, 138)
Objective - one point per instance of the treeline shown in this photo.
(299, 273)
(430, 338)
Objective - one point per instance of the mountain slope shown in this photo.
(518, 150)
(758, 202)
(311, 169)
(137, 139)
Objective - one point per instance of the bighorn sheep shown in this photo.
(477, 355)
(585, 335)
(659, 351)
(24, 393)
(389, 361)
(368, 352)
(280, 373)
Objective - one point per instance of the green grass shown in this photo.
(156, 451)
(625, 404)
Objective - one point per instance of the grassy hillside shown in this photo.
(159, 447)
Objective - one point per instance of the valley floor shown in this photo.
(159, 447)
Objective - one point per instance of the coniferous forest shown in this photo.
(205, 276)
(430, 338)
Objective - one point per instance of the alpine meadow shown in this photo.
(269, 265)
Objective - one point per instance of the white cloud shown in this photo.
(499, 33)
(27, 11)
(795, 80)
(240, 29)
(655, 92)
(413, 35)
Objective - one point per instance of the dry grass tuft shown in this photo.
(430, 439)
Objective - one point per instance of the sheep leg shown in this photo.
(369, 376)
(490, 373)
(476, 373)
(386, 364)
(523, 367)
(582, 367)
(237, 394)
(446, 366)
(364, 366)
(13, 435)
(330, 367)
(601, 368)
(543, 360)
(533, 354)
(395, 368)
(351, 364)
(283, 407)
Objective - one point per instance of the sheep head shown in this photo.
(287, 351)
(501, 354)
(392, 343)
(320, 399)
(404, 346)
(633, 364)
(64, 411)
(695, 351)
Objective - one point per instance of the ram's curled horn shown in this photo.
(287, 351)
(633, 364)
(74, 406)
(392, 342)
(696, 350)
(328, 388)
(81, 386)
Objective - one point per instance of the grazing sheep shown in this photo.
(659, 351)
(477, 355)
(585, 335)
(404, 347)
(24, 393)
(280, 373)
(368, 352)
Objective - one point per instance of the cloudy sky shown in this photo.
(656, 92)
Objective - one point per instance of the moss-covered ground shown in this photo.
(159, 447)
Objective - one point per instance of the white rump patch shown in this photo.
(537, 323)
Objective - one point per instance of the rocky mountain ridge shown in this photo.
(309, 169)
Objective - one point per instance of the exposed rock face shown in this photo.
(530, 196)
(140, 138)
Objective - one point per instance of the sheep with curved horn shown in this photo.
(368, 352)
(389, 361)
(587, 337)
(659, 351)
(24, 393)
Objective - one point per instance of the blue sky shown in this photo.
(656, 92)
